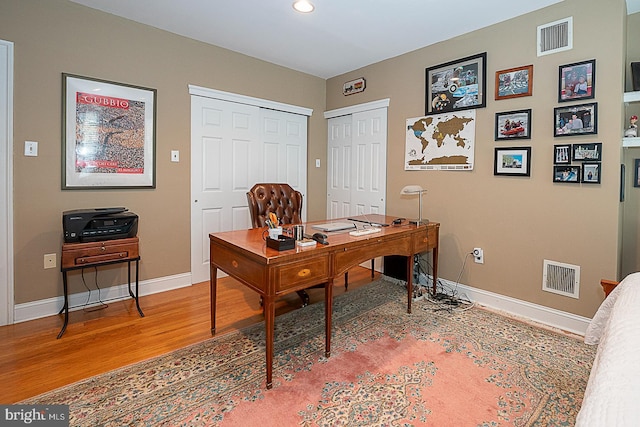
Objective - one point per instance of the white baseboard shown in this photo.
(50, 306)
(528, 311)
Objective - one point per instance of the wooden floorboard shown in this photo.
(33, 361)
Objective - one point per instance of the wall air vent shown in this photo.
(555, 36)
(560, 278)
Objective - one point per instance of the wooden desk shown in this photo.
(76, 256)
(244, 256)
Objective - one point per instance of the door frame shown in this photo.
(6, 184)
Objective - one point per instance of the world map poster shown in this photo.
(441, 141)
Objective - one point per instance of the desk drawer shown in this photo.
(312, 272)
(77, 254)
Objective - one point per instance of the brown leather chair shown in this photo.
(286, 203)
(280, 199)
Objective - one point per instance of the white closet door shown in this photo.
(234, 146)
(284, 150)
(369, 164)
(225, 163)
(357, 164)
(339, 173)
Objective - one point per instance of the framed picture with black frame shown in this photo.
(512, 161)
(456, 85)
(587, 152)
(591, 172)
(576, 120)
(636, 172)
(562, 154)
(513, 125)
(566, 173)
(577, 81)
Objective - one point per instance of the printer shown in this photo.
(92, 225)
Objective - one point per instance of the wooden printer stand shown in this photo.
(76, 256)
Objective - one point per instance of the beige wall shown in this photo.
(56, 36)
(518, 221)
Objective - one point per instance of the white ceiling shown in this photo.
(340, 36)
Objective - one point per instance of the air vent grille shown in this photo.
(560, 278)
(555, 36)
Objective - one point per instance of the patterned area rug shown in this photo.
(388, 368)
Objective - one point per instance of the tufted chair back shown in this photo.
(281, 199)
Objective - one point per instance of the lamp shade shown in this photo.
(412, 189)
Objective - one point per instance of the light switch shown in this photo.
(175, 156)
(317, 163)
(31, 148)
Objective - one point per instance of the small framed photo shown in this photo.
(577, 81)
(514, 82)
(591, 172)
(512, 161)
(562, 154)
(576, 120)
(566, 173)
(636, 173)
(456, 85)
(513, 125)
(587, 152)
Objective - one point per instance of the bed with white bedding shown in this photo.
(612, 396)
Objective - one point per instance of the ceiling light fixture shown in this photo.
(303, 6)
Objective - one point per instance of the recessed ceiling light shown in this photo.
(303, 6)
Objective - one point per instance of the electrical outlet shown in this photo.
(49, 260)
(478, 255)
(175, 156)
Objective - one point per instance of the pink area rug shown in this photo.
(388, 368)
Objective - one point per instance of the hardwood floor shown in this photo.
(33, 361)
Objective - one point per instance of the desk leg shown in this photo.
(409, 281)
(213, 289)
(328, 310)
(65, 307)
(269, 324)
(434, 253)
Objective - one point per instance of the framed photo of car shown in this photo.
(513, 125)
(456, 85)
(577, 81)
(576, 120)
(514, 82)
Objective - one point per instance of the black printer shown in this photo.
(92, 225)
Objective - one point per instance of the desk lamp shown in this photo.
(411, 190)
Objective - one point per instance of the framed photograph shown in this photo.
(636, 173)
(576, 120)
(108, 134)
(566, 173)
(514, 82)
(456, 85)
(513, 125)
(512, 161)
(587, 152)
(591, 172)
(562, 154)
(577, 81)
